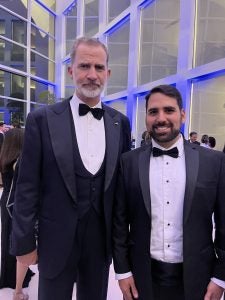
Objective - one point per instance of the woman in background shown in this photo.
(13, 275)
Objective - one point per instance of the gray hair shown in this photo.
(88, 41)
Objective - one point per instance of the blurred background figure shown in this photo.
(193, 138)
(212, 142)
(146, 138)
(205, 141)
(12, 274)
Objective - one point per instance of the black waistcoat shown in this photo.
(89, 187)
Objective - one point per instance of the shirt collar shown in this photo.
(179, 144)
(75, 101)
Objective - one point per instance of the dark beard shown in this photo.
(165, 138)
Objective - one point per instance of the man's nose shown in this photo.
(161, 117)
(92, 74)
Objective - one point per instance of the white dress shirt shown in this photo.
(167, 178)
(90, 134)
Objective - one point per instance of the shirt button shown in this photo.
(93, 189)
(167, 202)
(167, 181)
(167, 163)
(168, 246)
(168, 224)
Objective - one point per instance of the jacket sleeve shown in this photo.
(219, 216)
(121, 228)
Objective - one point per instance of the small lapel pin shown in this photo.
(116, 123)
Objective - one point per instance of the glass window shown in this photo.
(120, 105)
(159, 40)
(2, 27)
(12, 85)
(91, 17)
(16, 28)
(42, 42)
(118, 43)
(210, 42)
(18, 6)
(50, 3)
(42, 93)
(207, 115)
(116, 7)
(71, 27)
(69, 91)
(42, 18)
(42, 67)
(12, 55)
(141, 113)
(14, 111)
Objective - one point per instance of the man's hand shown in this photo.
(214, 292)
(28, 259)
(128, 288)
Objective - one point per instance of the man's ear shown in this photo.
(109, 73)
(70, 72)
(183, 116)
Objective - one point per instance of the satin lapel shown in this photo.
(61, 139)
(144, 164)
(192, 165)
(112, 134)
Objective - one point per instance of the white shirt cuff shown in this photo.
(123, 276)
(219, 282)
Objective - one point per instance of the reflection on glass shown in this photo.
(120, 105)
(118, 42)
(116, 7)
(12, 55)
(159, 40)
(71, 27)
(42, 18)
(12, 85)
(140, 117)
(210, 42)
(42, 93)
(18, 6)
(91, 17)
(208, 109)
(2, 27)
(42, 42)
(14, 28)
(50, 3)
(42, 67)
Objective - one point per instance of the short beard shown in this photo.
(91, 93)
(161, 138)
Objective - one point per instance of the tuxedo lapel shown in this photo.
(61, 139)
(112, 134)
(192, 165)
(144, 164)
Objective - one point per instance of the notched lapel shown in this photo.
(144, 163)
(61, 139)
(112, 134)
(192, 165)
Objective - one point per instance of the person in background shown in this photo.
(67, 178)
(212, 142)
(146, 138)
(13, 274)
(205, 141)
(193, 138)
(166, 194)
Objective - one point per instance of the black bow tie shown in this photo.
(172, 152)
(96, 112)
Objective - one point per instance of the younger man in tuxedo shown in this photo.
(166, 195)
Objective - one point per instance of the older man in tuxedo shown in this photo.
(167, 193)
(66, 181)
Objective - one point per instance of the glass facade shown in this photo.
(27, 57)
(150, 42)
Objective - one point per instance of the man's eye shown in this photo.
(152, 112)
(84, 66)
(100, 68)
(169, 110)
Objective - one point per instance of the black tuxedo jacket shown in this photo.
(204, 195)
(46, 186)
